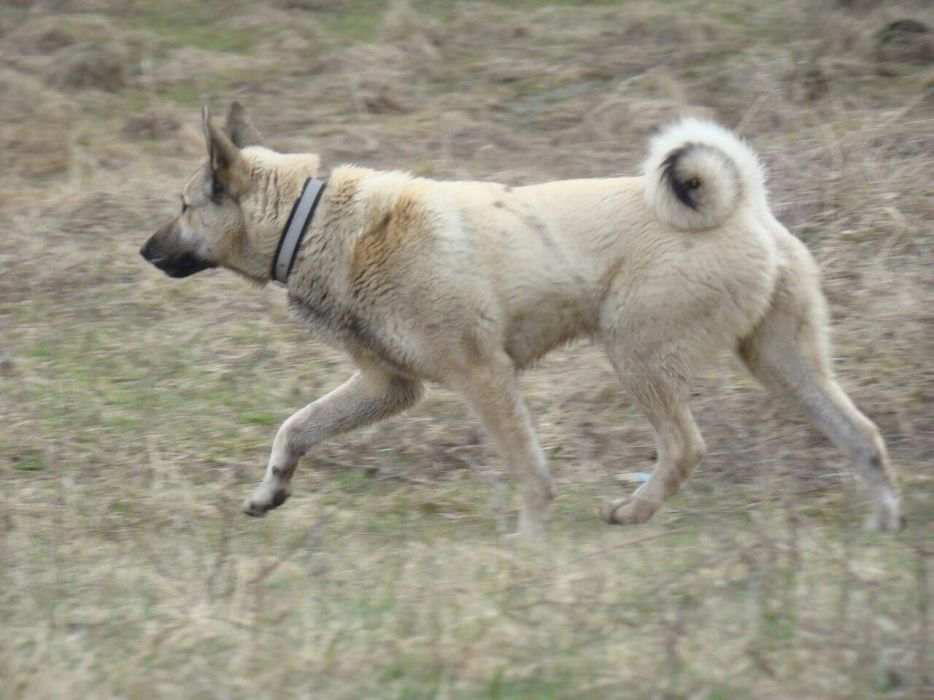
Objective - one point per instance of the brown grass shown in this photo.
(138, 411)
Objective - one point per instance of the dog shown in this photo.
(467, 283)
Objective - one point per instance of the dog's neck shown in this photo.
(277, 181)
(334, 224)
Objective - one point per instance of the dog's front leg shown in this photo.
(370, 395)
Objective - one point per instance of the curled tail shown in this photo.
(698, 174)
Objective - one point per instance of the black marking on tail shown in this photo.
(669, 169)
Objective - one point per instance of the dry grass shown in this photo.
(137, 411)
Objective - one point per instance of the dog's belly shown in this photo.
(534, 330)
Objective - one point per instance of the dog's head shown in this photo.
(234, 207)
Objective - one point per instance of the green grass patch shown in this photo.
(30, 462)
(184, 23)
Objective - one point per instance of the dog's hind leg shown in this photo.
(368, 396)
(788, 353)
(489, 386)
(663, 399)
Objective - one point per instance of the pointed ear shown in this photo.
(205, 122)
(229, 172)
(240, 127)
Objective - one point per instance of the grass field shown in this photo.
(136, 411)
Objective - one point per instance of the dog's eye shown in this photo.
(692, 184)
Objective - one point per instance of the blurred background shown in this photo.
(137, 411)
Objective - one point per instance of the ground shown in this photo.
(137, 411)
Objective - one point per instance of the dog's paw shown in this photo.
(264, 500)
(627, 511)
(886, 517)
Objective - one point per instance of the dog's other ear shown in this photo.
(229, 172)
(205, 122)
(240, 127)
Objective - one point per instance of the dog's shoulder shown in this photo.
(379, 216)
(357, 197)
(376, 225)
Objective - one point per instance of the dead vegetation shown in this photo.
(137, 412)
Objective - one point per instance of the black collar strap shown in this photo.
(295, 228)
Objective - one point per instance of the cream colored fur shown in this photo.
(465, 283)
(728, 171)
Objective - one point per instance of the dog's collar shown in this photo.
(295, 228)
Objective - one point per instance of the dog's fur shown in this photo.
(465, 283)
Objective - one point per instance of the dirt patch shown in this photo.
(34, 127)
(906, 41)
(47, 34)
(155, 123)
(89, 67)
(191, 64)
(647, 26)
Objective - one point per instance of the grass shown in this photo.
(138, 411)
(181, 23)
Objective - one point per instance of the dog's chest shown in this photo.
(324, 316)
(339, 325)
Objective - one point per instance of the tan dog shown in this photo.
(465, 283)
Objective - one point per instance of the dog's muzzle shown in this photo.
(178, 266)
(163, 251)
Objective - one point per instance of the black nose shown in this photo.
(145, 250)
